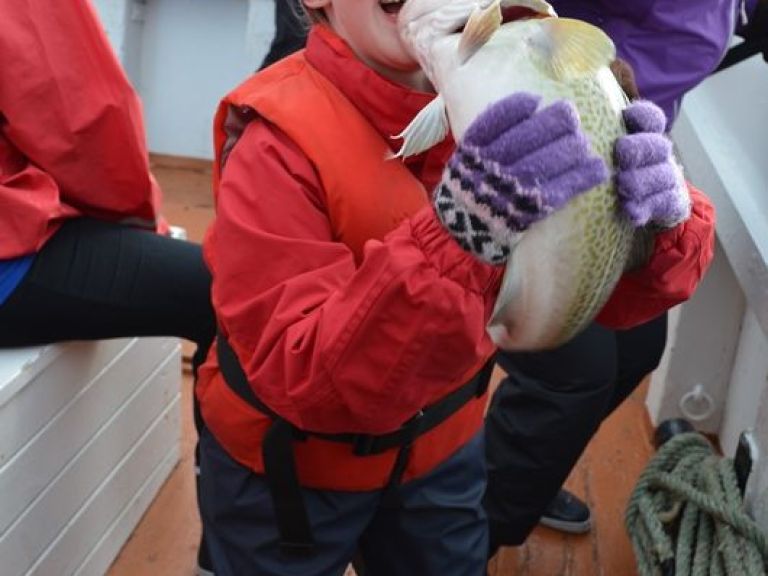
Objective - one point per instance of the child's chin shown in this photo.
(389, 16)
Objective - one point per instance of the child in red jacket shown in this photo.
(344, 402)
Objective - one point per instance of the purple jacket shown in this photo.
(672, 44)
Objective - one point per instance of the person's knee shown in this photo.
(640, 349)
(587, 362)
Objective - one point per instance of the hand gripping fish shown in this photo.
(563, 268)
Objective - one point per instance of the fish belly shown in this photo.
(561, 273)
(564, 268)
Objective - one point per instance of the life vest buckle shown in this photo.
(364, 444)
(367, 444)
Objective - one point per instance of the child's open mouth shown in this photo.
(391, 6)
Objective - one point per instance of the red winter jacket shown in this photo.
(71, 131)
(339, 346)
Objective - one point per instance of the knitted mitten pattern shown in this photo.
(514, 166)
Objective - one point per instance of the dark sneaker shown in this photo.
(567, 514)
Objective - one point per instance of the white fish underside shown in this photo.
(564, 267)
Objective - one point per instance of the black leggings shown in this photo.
(94, 280)
(546, 411)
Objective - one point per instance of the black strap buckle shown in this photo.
(367, 444)
(364, 444)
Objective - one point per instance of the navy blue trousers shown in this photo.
(435, 527)
(545, 412)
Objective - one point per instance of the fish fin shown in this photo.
(482, 24)
(429, 127)
(575, 48)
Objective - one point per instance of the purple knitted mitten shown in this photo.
(649, 181)
(514, 166)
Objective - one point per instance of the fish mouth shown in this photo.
(513, 13)
(460, 10)
(440, 12)
(422, 22)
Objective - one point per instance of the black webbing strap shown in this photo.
(235, 377)
(283, 481)
(279, 463)
(277, 449)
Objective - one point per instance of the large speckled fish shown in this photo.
(475, 52)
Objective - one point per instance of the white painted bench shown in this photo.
(88, 434)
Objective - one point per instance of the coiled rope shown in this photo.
(686, 515)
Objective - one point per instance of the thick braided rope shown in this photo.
(686, 515)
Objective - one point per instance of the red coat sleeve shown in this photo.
(328, 345)
(681, 257)
(66, 105)
(30, 204)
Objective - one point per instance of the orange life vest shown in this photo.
(350, 158)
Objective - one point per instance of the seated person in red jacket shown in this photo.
(79, 255)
